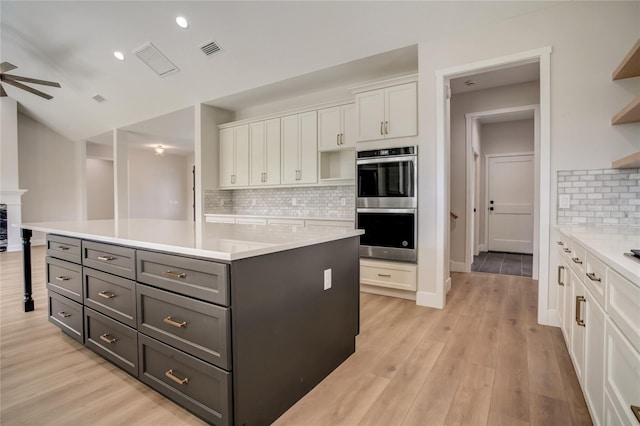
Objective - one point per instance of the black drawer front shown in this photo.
(198, 386)
(64, 278)
(67, 315)
(198, 328)
(110, 295)
(202, 279)
(115, 260)
(64, 248)
(112, 340)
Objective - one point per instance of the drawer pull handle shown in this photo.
(106, 258)
(171, 274)
(567, 250)
(63, 278)
(592, 277)
(64, 314)
(636, 411)
(106, 295)
(560, 269)
(579, 321)
(178, 380)
(108, 338)
(560, 243)
(170, 321)
(577, 260)
(384, 275)
(63, 248)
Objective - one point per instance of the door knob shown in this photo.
(491, 202)
(491, 208)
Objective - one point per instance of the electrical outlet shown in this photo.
(343, 201)
(221, 203)
(294, 202)
(564, 201)
(253, 201)
(327, 279)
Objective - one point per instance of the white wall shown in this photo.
(157, 185)
(461, 104)
(99, 189)
(47, 170)
(501, 138)
(588, 39)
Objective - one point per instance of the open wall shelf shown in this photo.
(629, 68)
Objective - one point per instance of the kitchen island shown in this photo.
(233, 322)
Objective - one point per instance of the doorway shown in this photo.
(541, 167)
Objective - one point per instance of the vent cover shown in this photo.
(150, 55)
(98, 98)
(210, 48)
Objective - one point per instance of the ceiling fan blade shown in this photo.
(6, 66)
(2, 92)
(31, 80)
(27, 88)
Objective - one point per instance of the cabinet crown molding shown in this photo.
(379, 84)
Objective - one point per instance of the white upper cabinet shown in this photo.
(336, 128)
(390, 112)
(264, 139)
(234, 156)
(300, 148)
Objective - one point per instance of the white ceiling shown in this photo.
(501, 77)
(316, 44)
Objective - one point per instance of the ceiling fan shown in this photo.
(15, 79)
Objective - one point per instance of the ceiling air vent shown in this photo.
(150, 55)
(210, 48)
(98, 98)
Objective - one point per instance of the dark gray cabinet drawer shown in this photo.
(202, 279)
(198, 328)
(64, 248)
(198, 386)
(67, 315)
(112, 340)
(64, 278)
(110, 295)
(115, 260)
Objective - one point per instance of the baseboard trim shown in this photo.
(430, 300)
(459, 267)
(482, 247)
(447, 285)
(551, 319)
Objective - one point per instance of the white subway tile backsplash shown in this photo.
(325, 201)
(600, 197)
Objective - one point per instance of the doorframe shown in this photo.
(471, 119)
(546, 316)
(487, 157)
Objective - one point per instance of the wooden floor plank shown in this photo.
(477, 362)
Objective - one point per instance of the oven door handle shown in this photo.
(397, 159)
(410, 211)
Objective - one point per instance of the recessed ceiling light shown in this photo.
(182, 22)
(118, 55)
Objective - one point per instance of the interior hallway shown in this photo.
(481, 361)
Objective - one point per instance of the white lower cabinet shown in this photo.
(393, 275)
(599, 313)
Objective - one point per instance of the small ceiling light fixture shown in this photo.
(159, 150)
(182, 22)
(118, 55)
(469, 82)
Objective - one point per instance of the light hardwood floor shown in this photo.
(481, 361)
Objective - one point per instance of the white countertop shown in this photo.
(257, 216)
(218, 241)
(609, 243)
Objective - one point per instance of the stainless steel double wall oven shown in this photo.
(387, 203)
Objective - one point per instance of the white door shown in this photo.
(329, 129)
(227, 157)
(257, 149)
(290, 138)
(242, 155)
(308, 149)
(510, 203)
(370, 115)
(272, 154)
(348, 126)
(401, 111)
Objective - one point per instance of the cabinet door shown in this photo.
(308, 147)
(567, 311)
(329, 128)
(622, 373)
(290, 158)
(226, 161)
(401, 111)
(348, 126)
(370, 115)
(594, 358)
(577, 330)
(257, 150)
(272, 152)
(242, 155)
